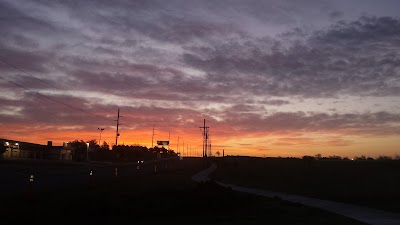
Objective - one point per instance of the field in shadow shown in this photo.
(168, 197)
(368, 183)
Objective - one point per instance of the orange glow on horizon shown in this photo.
(284, 144)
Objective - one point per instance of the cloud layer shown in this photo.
(248, 68)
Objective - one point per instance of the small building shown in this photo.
(11, 149)
(26, 150)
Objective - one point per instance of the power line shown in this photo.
(66, 93)
(17, 68)
(45, 82)
(57, 88)
(50, 98)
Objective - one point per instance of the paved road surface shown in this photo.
(366, 215)
(48, 175)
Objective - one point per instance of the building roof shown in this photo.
(24, 145)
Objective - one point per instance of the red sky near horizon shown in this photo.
(271, 78)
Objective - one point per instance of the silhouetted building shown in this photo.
(26, 150)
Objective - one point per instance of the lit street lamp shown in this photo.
(101, 130)
(87, 151)
(8, 149)
(19, 152)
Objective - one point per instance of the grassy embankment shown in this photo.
(368, 183)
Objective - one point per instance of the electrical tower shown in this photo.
(205, 138)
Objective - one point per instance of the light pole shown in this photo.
(87, 151)
(101, 130)
(8, 149)
(19, 152)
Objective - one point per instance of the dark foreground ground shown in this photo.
(374, 184)
(166, 197)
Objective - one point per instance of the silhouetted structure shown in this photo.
(79, 151)
(205, 138)
(26, 150)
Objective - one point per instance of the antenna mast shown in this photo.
(117, 133)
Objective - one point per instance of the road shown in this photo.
(15, 175)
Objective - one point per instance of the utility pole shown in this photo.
(169, 138)
(205, 138)
(177, 146)
(117, 133)
(210, 153)
(101, 130)
(152, 138)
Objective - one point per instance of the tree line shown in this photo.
(355, 158)
(81, 151)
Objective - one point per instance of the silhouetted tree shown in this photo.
(93, 143)
(335, 157)
(105, 146)
(307, 157)
(360, 157)
(384, 157)
(79, 149)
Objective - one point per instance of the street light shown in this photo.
(87, 151)
(101, 130)
(19, 152)
(8, 149)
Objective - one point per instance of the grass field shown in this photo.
(368, 183)
(169, 197)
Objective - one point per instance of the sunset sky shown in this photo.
(271, 78)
